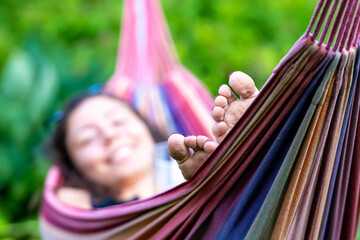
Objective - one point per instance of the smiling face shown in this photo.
(108, 142)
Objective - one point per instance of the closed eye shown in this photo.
(119, 122)
(86, 141)
(87, 137)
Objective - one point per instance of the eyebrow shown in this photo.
(113, 110)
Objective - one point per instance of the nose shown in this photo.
(109, 134)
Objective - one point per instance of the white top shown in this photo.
(167, 172)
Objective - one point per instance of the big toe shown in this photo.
(177, 148)
(243, 85)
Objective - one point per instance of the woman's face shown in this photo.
(108, 142)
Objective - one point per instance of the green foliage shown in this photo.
(25, 230)
(27, 91)
(214, 38)
(50, 50)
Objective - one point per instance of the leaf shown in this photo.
(17, 78)
(43, 92)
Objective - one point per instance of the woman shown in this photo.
(106, 151)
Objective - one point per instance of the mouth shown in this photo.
(121, 154)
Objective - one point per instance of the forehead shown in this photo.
(97, 107)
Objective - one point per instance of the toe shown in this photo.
(190, 141)
(226, 92)
(177, 148)
(243, 85)
(218, 114)
(220, 101)
(210, 146)
(219, 129)
(201, 140)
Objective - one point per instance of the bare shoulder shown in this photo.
(75, 197)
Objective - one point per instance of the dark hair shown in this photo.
(58, 151)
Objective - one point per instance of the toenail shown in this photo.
(230, 74)
(176, 133)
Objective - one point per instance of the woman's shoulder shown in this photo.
(75, 197)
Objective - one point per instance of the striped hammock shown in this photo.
(150, 77)
(289, 169)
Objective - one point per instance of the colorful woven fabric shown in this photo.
(289, 169)
(150, 76)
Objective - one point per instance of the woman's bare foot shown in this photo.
(229, 108)
(190, 152)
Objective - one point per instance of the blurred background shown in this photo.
(50, 50)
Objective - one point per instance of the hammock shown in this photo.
(149, 75)
(288, 169)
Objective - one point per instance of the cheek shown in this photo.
(145, 154)
(141, 132)
(89, 157)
